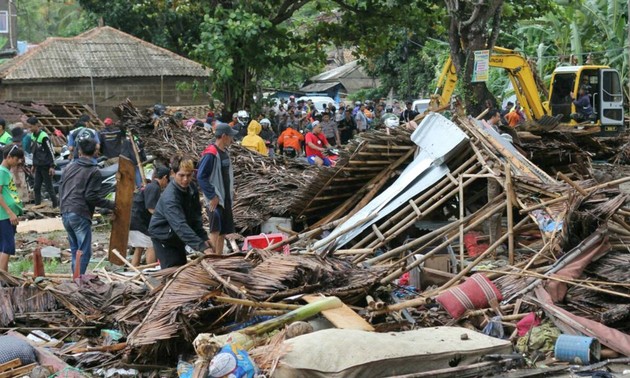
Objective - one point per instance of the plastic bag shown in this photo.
(233, 362)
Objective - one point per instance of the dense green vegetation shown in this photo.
(279, 43)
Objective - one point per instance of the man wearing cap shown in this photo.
(144, 203)
(43, 159)
(216, 179)
(316, 144)
(408, 114)
(111, 139)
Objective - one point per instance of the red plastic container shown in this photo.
(263, 241)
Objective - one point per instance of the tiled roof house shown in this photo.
(102, 67)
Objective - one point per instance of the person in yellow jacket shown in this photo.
(253, 141)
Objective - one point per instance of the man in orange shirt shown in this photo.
(514, 118)
(290, 141)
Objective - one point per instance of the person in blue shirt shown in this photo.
(583, 107)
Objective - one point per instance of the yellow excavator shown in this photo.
(602, 82)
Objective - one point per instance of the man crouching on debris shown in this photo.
(10, 203)
(216, 179)
(79, 194)
(176, 221)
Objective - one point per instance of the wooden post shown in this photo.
(38, 263)
(510, 213)
(77, 265)
(125, 186)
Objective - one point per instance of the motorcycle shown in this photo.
(333, 155)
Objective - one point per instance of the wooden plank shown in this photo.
(10, 365)
(18, 372)
(40, 225)
(125, 186)
(342, 317)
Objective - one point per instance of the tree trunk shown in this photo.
(469, 30)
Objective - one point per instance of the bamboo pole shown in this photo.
(420, 260)
(573, 184)
(566, 196)
(137, 155)
(248, 303)
(360, 251)
(124, 260)
(305, 235)
(412, 218)
(566, 281)
(480, 258)
(435, 191)
(510, 214)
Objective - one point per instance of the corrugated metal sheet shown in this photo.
(101, 52)
(319, 87)
(438, 140)
(336, 73)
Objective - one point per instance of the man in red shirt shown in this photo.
(316, 143)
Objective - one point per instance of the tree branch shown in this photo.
(496, 22)
(347, 7)
(286, 10)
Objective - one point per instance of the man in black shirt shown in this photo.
(43, 159)
(347, 127)
(111, 138)
(176, 222)
(144, 202)
(408, 114)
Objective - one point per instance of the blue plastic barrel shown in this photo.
(577, 349)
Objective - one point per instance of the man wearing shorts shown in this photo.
(144, 202)
(216, 179)
(10, 203)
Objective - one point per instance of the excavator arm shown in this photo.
(519, 72)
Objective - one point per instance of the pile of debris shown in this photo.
(465, 232)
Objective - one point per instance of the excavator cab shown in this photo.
(601, 83)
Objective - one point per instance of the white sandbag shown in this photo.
(352, 353)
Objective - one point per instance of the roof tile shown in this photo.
(100, 52)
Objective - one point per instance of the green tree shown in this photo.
(38, 20)
(246, 42)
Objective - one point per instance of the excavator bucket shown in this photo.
(549, 122)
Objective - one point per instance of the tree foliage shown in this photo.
(38, 20)
(278, 43)
(245, 43)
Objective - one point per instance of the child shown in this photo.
(10, 203)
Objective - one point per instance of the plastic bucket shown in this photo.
(577, 349)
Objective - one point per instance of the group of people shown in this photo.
(166, 213)
(296, 128)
